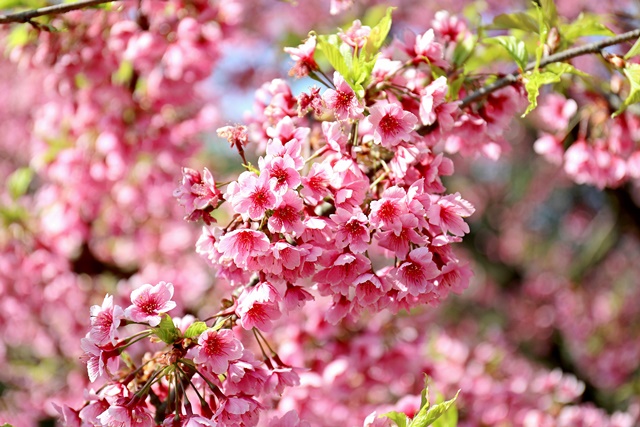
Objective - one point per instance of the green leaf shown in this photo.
(124, 74)
(635, 50)
(19, 36)
(424, 395)
(195, 329)
(563, 67)
(463, 50)
(519, 21)
(516, 48)
(18, 182)
(535, 79)
(26, 4)
(427, 415)
(378, 35)
(448, 419)
(330, 47)
(586, 24)
(543, 31)
(632, 71)
(455, 86)
(400, 418)
(6, 425)
(166, 330)
(550, 12)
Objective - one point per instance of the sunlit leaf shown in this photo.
(330, 47)
(536, 79)
(166, 330)
(519, 21)
(399, 418)
(632, 71)
(195, 329)
(586, 24)
(516, 48)
(378, 35)
(18, 182)
(550, 12)
(463, 50)
(635, 50)
(428, 415)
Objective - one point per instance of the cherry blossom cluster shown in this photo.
(349, 204)
(110, 108)
(600, 155)
(203, 376)
(359, 366)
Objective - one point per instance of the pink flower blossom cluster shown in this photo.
(205, 375)
(323, 224)
(609, 157)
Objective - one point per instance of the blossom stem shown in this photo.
(317, 154)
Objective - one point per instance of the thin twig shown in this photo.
(558, 57)
(28, 15)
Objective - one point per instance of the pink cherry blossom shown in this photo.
(105, 320)
(315, 184)
(447, 27)
(282, 174)
(149, 302)
(102, 362)
(416, 275)
(303, 55)
(433, 106)
(426, 48)
(343, 100)
(238, 411)
(391, 124)
(356, 35)
(216, 349)
(399, 242)
(251, 196)
(241, 245)
(447, 213)
(386, 213)
(259, 306)
(352, 230)
(198, 194)
(286, 217)
(127, 415)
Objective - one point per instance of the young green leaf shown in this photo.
(516, 48)
(463, 50)
(550, 12)
(195, 329)
(448, 419)
(427, 416)
(166, 330)
(378, 35)
(586, 24)
(632, 71)
(519, 21)
(399, 418)
(330, 47)
(18, 182)
(535, 79)
(635, 50)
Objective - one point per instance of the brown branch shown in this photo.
(28, 15)
(557, 57)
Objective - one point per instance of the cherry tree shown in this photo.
(381, 240)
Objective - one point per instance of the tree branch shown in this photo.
(557, 57)
(28, 15)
